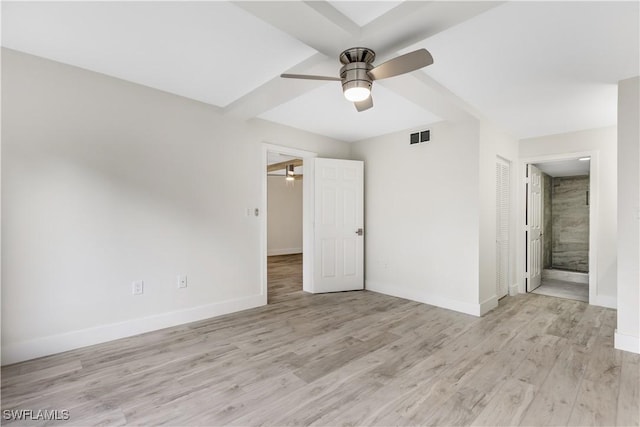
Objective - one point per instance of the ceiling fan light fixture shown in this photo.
(358, 72)
(357, 94)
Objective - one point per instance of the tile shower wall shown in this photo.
(547, 221)
(570, 223)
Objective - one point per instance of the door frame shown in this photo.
(307, 214)
(594, 182)
(530, 214)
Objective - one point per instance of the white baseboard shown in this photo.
(414, 295)
(626, 342)
(285, 251)
(514, 289)
(604, 301)
(488, 305)
(25, 350)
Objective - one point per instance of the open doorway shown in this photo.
(558, 228)
(333, 246)
(284, 225)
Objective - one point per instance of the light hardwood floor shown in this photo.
(354, 358)
(284, 276)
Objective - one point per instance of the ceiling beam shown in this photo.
(414, 21)
(323, 28)
(334, 15)
(278, 90)
(283, 165)
(410, 23)
(411, 87)
(297, 177)
(314, 26)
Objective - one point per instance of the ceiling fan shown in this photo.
(358, 73)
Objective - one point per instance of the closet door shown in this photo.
(502, 227)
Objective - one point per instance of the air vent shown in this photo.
(418, 137)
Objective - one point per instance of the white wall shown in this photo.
(284, 216)
(602, 142)
(105, 182)
(627, 335)
(421, 215)
(494, 143)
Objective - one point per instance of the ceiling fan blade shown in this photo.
(309, 77)
(402, 64)
(364, 105)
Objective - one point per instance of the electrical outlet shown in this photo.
(137, 287)
(182, 281)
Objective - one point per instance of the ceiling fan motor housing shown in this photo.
(357, 54)
(357, 63)
(356, 75)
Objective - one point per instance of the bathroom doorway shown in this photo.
(558, 228)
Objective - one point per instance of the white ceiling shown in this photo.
(213, 52)
(363, 12)
(325, 111)
(572, 167)
(534, 68)
(540, 68)
(273, 157)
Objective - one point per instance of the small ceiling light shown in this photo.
(584, 159)
(290, 176)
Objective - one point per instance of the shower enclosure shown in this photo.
(565, 254)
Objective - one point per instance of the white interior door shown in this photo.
(534, 228)
(338, 225)
(502, 227)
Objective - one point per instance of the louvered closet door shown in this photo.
(502, 227)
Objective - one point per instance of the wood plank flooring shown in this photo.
(354, 358)
(284, 275)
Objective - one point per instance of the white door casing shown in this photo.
(502, 226)
(534, 228)
(338, 225)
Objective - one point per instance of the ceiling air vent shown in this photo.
(419, 137)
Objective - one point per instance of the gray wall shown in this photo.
(105, 182)
(284, 216)
(570, 223)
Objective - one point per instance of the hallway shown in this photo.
(284, 276)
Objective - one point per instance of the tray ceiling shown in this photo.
(533, 68)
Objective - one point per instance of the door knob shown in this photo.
(359, 231)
